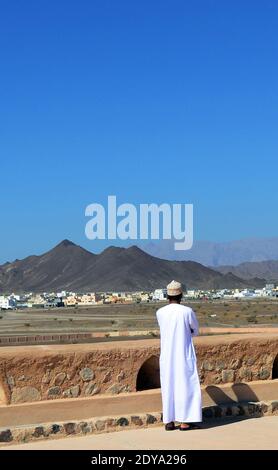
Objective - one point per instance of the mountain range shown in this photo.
(214, 254)
(265, 269)
(71, 267)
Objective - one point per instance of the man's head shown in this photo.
(174, 292)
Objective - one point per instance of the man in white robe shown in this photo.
(180, 386)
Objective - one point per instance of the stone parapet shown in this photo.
(35, 373)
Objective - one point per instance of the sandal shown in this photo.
(184, 428)
(170, 426)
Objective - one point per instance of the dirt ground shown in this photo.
(226, 313)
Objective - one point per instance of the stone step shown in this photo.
(59, 429)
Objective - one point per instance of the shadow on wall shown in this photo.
(242, 392)
(148, 376)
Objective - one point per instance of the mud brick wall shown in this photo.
(37, 373)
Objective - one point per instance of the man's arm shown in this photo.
(193, 323)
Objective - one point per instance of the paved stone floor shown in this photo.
(260, 433)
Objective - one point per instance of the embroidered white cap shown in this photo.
(174, 288)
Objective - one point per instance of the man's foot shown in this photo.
(184, 427)
(170, 426)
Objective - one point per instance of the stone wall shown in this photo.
(46, 373)
(37, 373)
(243, 360)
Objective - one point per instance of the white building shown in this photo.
(6, 303)
(243, 294)
(192, 294)
(160, 294)
(62, 294)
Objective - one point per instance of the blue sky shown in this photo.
(153, 101)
